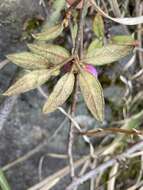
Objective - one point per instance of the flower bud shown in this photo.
(91, 69)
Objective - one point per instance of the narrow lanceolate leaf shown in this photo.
(28, 60)
(3, 182)
(53, 53)
(61, 92)
(50, 33)
(98, 26)
(107, 54)
(93, 94)
(74, 29)
(29, 81)
(123, 39)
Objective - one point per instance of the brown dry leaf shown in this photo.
(50, 33)
(92, 93)
(28, 60)
(61, 92)
(107, 54)
(29, 81)
(54, 53)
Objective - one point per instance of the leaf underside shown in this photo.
(50, 33)
(28, 60)
(93, 94)
(107, 54)
(29, 81)
(61, 92)
(55, 54)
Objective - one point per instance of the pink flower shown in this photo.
(91, 69)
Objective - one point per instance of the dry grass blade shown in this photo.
(115, 7)
(99, 131)
(104, 166)
(125, 21)
(52, 180)
(112, 177)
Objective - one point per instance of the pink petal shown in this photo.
(91, 69)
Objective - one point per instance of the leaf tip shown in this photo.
(45, 110)
(6, 93)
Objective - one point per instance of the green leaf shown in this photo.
(55, 13)
(98, 26)
(94, 45)
(122, 39)
(50, 33)
(61, 92)
(92, 93)
(29, 81)
(107, 54)
(54, 53)
(3, 182)
(28, 60)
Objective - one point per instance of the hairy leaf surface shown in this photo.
(107, 54)
(95, 44)
(93, 94)
(28, 60)
(123, 39)
(61, 92)
(50, 33)
(29, 81)
(54, 53)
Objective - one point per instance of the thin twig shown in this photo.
(77, 52)
(72, 131)
(99, 131)
(139, 11)
(80, 29)
(104, 166)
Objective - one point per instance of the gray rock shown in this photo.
(26, 126)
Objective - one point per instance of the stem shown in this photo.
(72, 131)
(77, 53)
(80, 31)
(73, 5)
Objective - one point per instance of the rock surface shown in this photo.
(26, 126)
